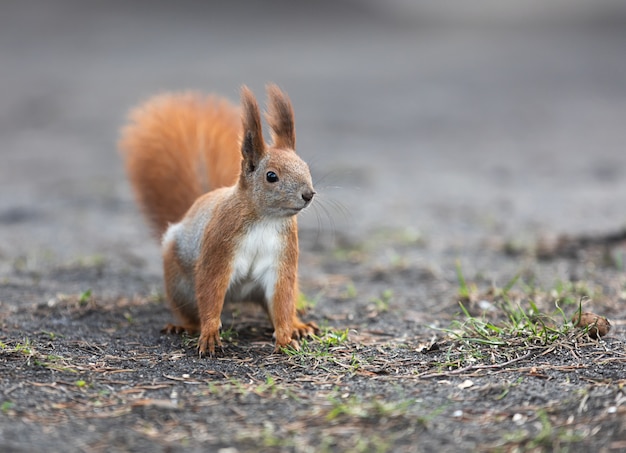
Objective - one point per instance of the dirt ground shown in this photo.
(471, 171)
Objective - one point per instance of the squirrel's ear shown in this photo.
(280, 118)
(252, 144)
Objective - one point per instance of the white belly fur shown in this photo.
(255, 267)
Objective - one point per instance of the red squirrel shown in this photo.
(224, 204)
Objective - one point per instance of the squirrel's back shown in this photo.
(177, 147)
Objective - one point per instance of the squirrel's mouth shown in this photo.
(295, 209)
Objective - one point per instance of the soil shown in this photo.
(468, 163)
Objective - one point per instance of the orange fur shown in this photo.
(213, 269)
(239, 239)
(284, 316)
(177, 147)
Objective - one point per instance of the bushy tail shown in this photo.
(177, 147)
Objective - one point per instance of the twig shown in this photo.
(474, 368)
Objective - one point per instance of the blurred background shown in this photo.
(457, 119)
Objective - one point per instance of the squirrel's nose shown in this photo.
(307, 195)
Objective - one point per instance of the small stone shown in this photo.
(598, 325)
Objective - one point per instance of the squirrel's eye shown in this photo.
(271, 176)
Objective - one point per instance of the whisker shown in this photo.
(333, 177)
(339, 208)
(322, 209)
(326, 210)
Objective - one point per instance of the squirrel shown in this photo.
(224, 204)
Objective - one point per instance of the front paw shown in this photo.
(209, 338)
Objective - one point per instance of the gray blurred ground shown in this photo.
(467, 122)
(459, 121)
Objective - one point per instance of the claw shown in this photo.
(293, 343)
(299, 331)
(303, 330)
(177, 330)
(208, 341)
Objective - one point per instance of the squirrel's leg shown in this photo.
(180, 292)
(211, 287)
(282, 310)
(288, 328)
(302, 329)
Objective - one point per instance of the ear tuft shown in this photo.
(252, 143)
(280, 118)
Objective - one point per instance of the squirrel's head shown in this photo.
(279, 181)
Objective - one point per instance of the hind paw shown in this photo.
(177, 330)
(304, 329)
